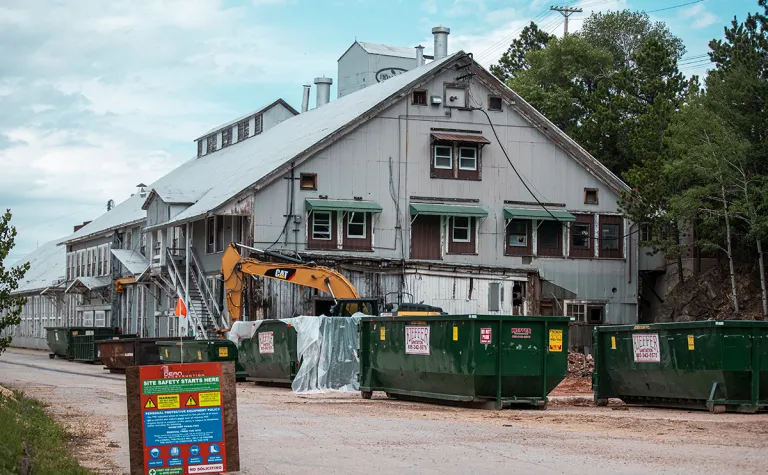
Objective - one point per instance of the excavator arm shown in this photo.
(235, 270)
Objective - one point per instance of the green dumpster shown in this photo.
(201, 351)
(457, 357)
(270, 355)
(60, 338)
(86, 346)
(720, 366)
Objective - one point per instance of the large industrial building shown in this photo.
(422, 182)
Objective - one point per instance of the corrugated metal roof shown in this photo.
(89, 283)
(127, 212)
(236, 168)
(439, 209)
(540, 214)
(461, 138)
(343, 205)
(386, 50)
(132, 260)
(47, 267)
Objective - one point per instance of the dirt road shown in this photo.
(282, 433)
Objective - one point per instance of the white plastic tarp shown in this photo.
(327, 348)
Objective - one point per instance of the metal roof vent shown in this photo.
(323, 91)
(305, 98)
(419, 56)
(441, 41)
(141, 189)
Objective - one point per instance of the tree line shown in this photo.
(694, 150)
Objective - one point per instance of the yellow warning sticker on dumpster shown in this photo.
(199, 355)
(690, 343)
(168, 401)
(166, 352)
(613, 342)
(382, 334)
(455, 333)
(223, 352)
(210, 399)
(556, 341)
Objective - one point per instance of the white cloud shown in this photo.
(98, 96)
(701, 17)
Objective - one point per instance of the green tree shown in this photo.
(10, 305)
(514, 60)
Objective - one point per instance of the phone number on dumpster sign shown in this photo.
(417, 340)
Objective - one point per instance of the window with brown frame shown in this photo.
(581, 236)
(549, 239)
(611, 240)
(494, 103)
(358, 231)
(419, 98)
(456, 160)
(591, 196)
(461, 235)
(322, 230)
(308, 181)
(518, 238)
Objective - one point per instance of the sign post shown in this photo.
(182, 419)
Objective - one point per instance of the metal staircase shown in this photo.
(202, 310)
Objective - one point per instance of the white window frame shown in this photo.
(474, 150)
(585, 305)
(330, 225)
(449, 156)
(351, 215)
(525, 234)
(468, 227)
(588, 236)
(604, 240)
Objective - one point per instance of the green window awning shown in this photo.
(343, 205)
(539, 214)
(435, 209)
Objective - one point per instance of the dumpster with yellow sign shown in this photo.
(472, 358)
(196, 351)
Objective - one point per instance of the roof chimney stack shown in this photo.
(305, 98)
(323, 91)
(419, 56)
(441, 41)
(141, 188)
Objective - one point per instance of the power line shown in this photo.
(487, 53)
(674, 6)
(523, 181)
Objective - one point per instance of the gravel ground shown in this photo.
(283, 433)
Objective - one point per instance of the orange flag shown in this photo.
(181, 309)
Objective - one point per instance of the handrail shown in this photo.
(195, 318)
(207, 292)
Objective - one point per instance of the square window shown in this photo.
(580, 235)
(595, 314)
(321, 226)
(419, 98)
(494, 103)
(467, 158)
(576, 310)
(226, 137)
(461, 229)
(609, 237)
(443, 156)
(549, 235)
(308, 181)
(590, 196)
(356, 225)
(242, 130)
(518, 233)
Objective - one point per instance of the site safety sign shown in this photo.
(183, 419)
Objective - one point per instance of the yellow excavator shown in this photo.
(235, 269)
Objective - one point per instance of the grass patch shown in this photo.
(31, 443)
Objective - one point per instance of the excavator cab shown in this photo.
(349, 307)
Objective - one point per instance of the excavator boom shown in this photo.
(235, 270)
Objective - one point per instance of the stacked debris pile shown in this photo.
(580, 365)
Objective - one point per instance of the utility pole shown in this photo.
(566, 12)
